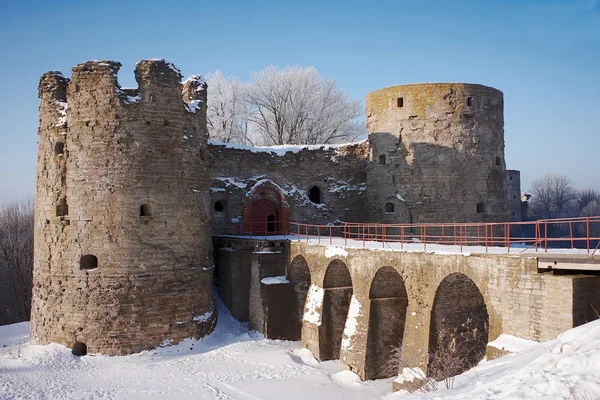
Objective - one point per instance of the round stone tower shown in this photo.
(436, 154)
(123, 252)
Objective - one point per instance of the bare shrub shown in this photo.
(454, 352)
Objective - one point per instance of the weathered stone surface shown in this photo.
(123, 252)
(436, 154)
(339, 173)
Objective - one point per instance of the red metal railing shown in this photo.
(581, 233)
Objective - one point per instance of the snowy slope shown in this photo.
(565, 368)
(231, 363)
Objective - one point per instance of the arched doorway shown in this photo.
(336, 302)
(298, 274)
(387, 317)
(459, 327)
(265, 216)
(265, 211)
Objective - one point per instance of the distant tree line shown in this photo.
(554, 196)
(16, 261)
(292, 105)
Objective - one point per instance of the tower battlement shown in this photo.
(122, 245)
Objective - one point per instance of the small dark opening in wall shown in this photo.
(400, 102)
(62, 208)
(514, 213)
(145, 210)
(314, 195)
(514, 196)
(382, 159)
(469, 101)
(271, 223)
(166, 123)
(389, 207)
(498, 160)
(59, 148)
(88, 262)
(219, 206)
(79, 349)
(481, 208)
(510, 178)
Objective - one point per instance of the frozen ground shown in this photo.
(233, 363)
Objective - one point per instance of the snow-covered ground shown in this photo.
(234, 363)
(231, 363)
(565, 368)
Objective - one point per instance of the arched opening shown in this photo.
(145, 210)
(79, 349)
(298, 274)
(382, 159)
(389, 208)
(219, 206)
(498, 161)
(314, 195)
(88, 262)
(264, 216)
(265, 210)
(387, 317)
(481, 208)
(459, 327)
(336, 302)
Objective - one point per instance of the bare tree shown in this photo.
(296, 106)
(227, 110)
(588, 203)
(16, 256)
(552, 196)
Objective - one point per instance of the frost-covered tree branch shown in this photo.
(282, 106)
(226, 110)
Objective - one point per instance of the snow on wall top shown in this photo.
(283, 150)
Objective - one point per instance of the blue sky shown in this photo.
(544, 56)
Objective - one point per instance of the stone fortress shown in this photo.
(135, 208)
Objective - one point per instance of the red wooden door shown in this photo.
(265, 217)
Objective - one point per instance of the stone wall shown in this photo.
(514, 299)
(436, 154)
(339, 172)
(123, 254)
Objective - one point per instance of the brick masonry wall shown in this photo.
(436, 154)
(123, 255)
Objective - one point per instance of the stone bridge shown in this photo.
(362, 305)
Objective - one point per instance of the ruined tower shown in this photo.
(436, 154)
(123, 253)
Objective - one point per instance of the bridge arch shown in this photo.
(337, 286)
(387, 317)
(298, 273)
(459, 327)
